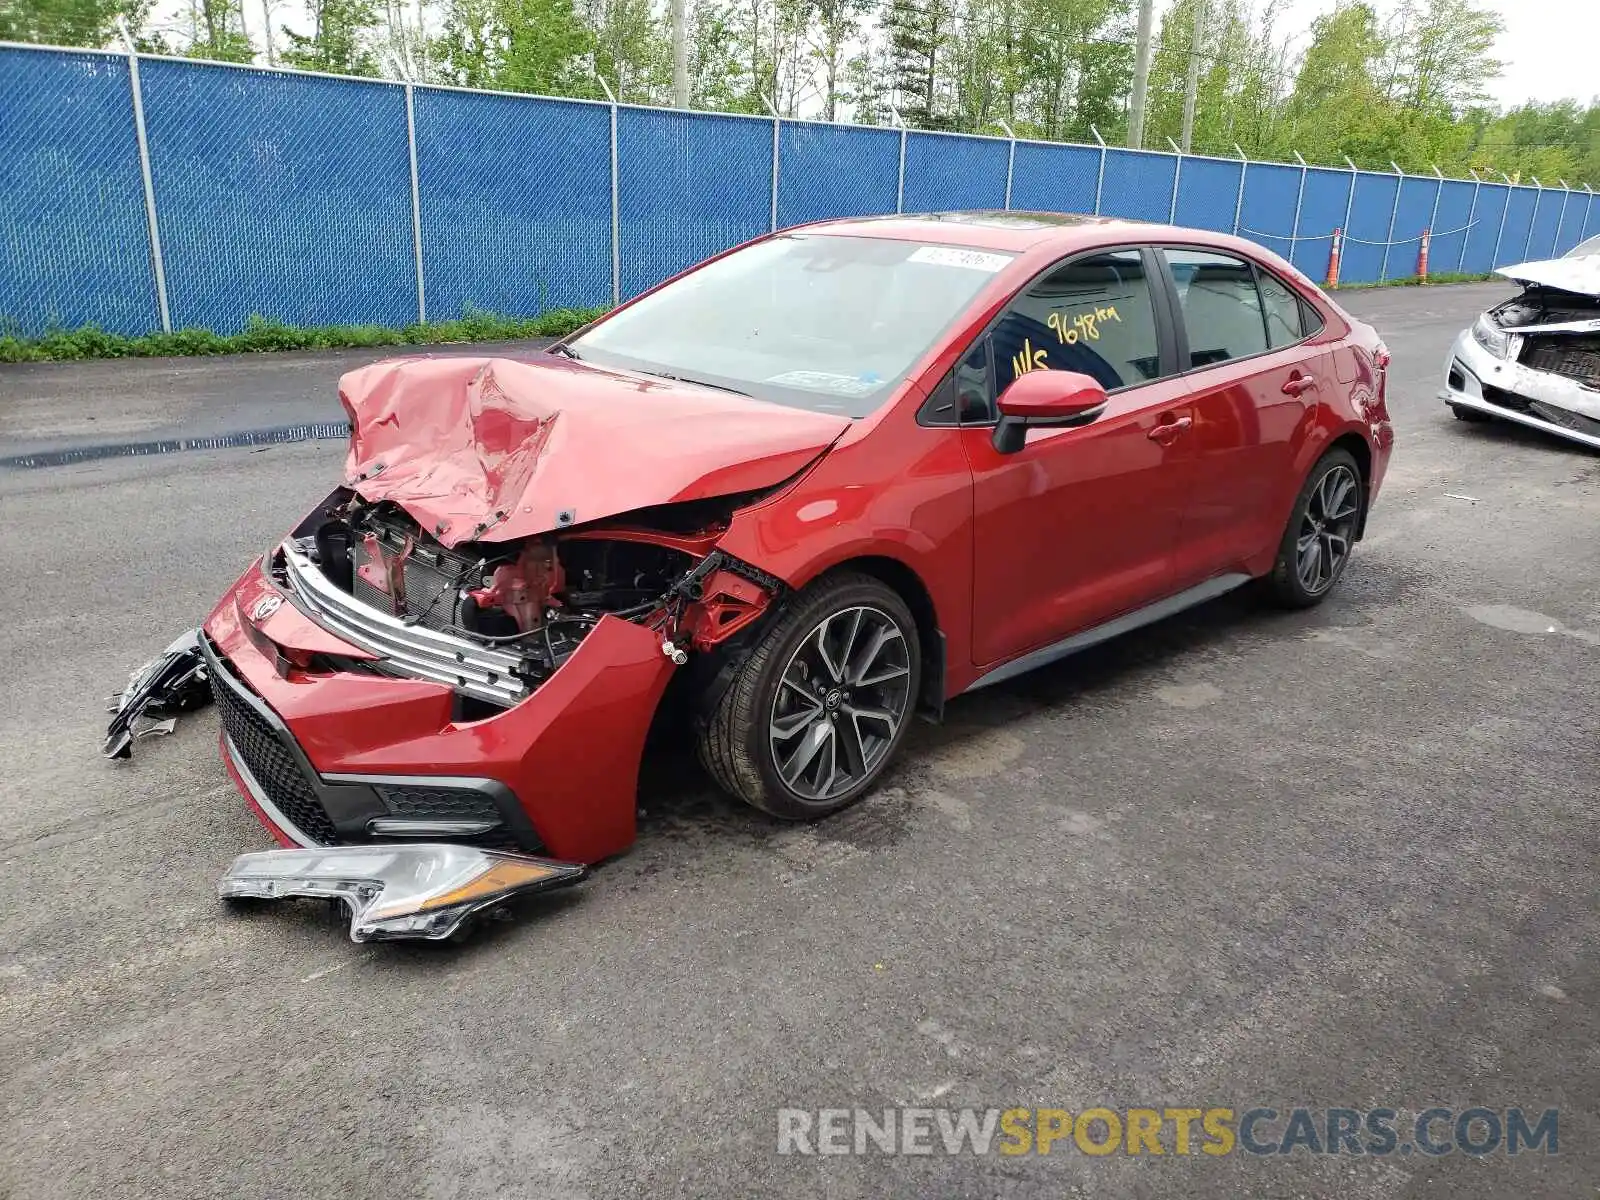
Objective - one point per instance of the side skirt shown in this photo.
(1148, 615)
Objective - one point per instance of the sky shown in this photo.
(1548, 46)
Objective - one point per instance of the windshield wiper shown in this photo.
(566, 352)
(697, 382)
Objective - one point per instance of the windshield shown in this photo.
(825, 323)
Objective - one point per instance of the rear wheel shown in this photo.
(818, 709)
(1316, 546)
(1463, 413)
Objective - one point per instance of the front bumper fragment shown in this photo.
(173, 683)
(425, 891)
(1476, 380)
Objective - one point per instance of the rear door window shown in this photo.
(1286, 313)
(1221, 306)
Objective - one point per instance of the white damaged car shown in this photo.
(1535, 359)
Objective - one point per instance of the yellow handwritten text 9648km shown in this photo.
(1081, 325)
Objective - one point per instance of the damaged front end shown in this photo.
(1535, 359)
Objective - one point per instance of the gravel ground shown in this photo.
(1342, 857)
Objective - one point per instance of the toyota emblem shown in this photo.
(265, 607)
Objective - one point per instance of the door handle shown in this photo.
(1168, 432)
(1296, 384)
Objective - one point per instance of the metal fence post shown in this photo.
(1561, 218)
(776, 138)
(1472, 213)
(900, 185)
(416, 204)
(1383, 271)
(1238, 201)
(1100, 179)
(1505, 211)
(1177, 174)
(1350, 200)
(1588, 211)
(1011, 161)
(1438, 195)
(616, 211)
(1538, 199)
(1299, 199)
(157, 263)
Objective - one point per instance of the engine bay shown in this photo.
(527, 603)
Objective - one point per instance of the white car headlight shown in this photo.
(1491, 337)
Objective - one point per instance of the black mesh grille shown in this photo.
(438, 803)
(273, 766)
(1576, 422)
(1575, 357)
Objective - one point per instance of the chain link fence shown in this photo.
(142, 192)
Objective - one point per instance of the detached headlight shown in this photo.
(1491, 337)
(404, 891)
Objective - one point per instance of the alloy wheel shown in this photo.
(842, 697)
(1329, 522)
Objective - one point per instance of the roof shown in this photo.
(990, 229)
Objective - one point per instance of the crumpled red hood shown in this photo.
(493, 449)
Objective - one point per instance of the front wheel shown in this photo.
(818, 709)
(1316, 546)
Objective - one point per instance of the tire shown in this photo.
(1470, 415)
(1302, 576)
(802, 708)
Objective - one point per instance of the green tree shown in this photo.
(338, 40)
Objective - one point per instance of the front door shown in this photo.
(1080, 525)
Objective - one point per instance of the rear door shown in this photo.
(1253, 388)
(1080, 525)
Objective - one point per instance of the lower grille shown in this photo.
(1571, 356)
(438, 803)
(274, 767)
(1567, 420)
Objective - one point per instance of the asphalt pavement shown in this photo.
(1343, 857)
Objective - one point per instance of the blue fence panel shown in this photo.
(1208, 193)
(1138, 184)
(283, 195)
(1519, 226)
(515, 197)
(1569, 220)
(1449, 226)
(951, 171)
(1268, 214)
(1054, 178)
(1417, 195)
(1590, 216)
(836, 171)
(1546, 216)
(1369, 227)
(1485, 231)
(74, 246)
(690, 184)
(1322, 210)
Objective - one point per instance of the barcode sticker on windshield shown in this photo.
(973, 260)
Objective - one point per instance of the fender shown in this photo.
(907, 499)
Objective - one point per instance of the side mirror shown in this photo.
(1045, 398)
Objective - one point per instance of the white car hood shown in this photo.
(1580, 275)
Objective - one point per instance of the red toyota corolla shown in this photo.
(818, 483)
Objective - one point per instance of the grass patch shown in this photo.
(1418, 281)
(261, 334)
